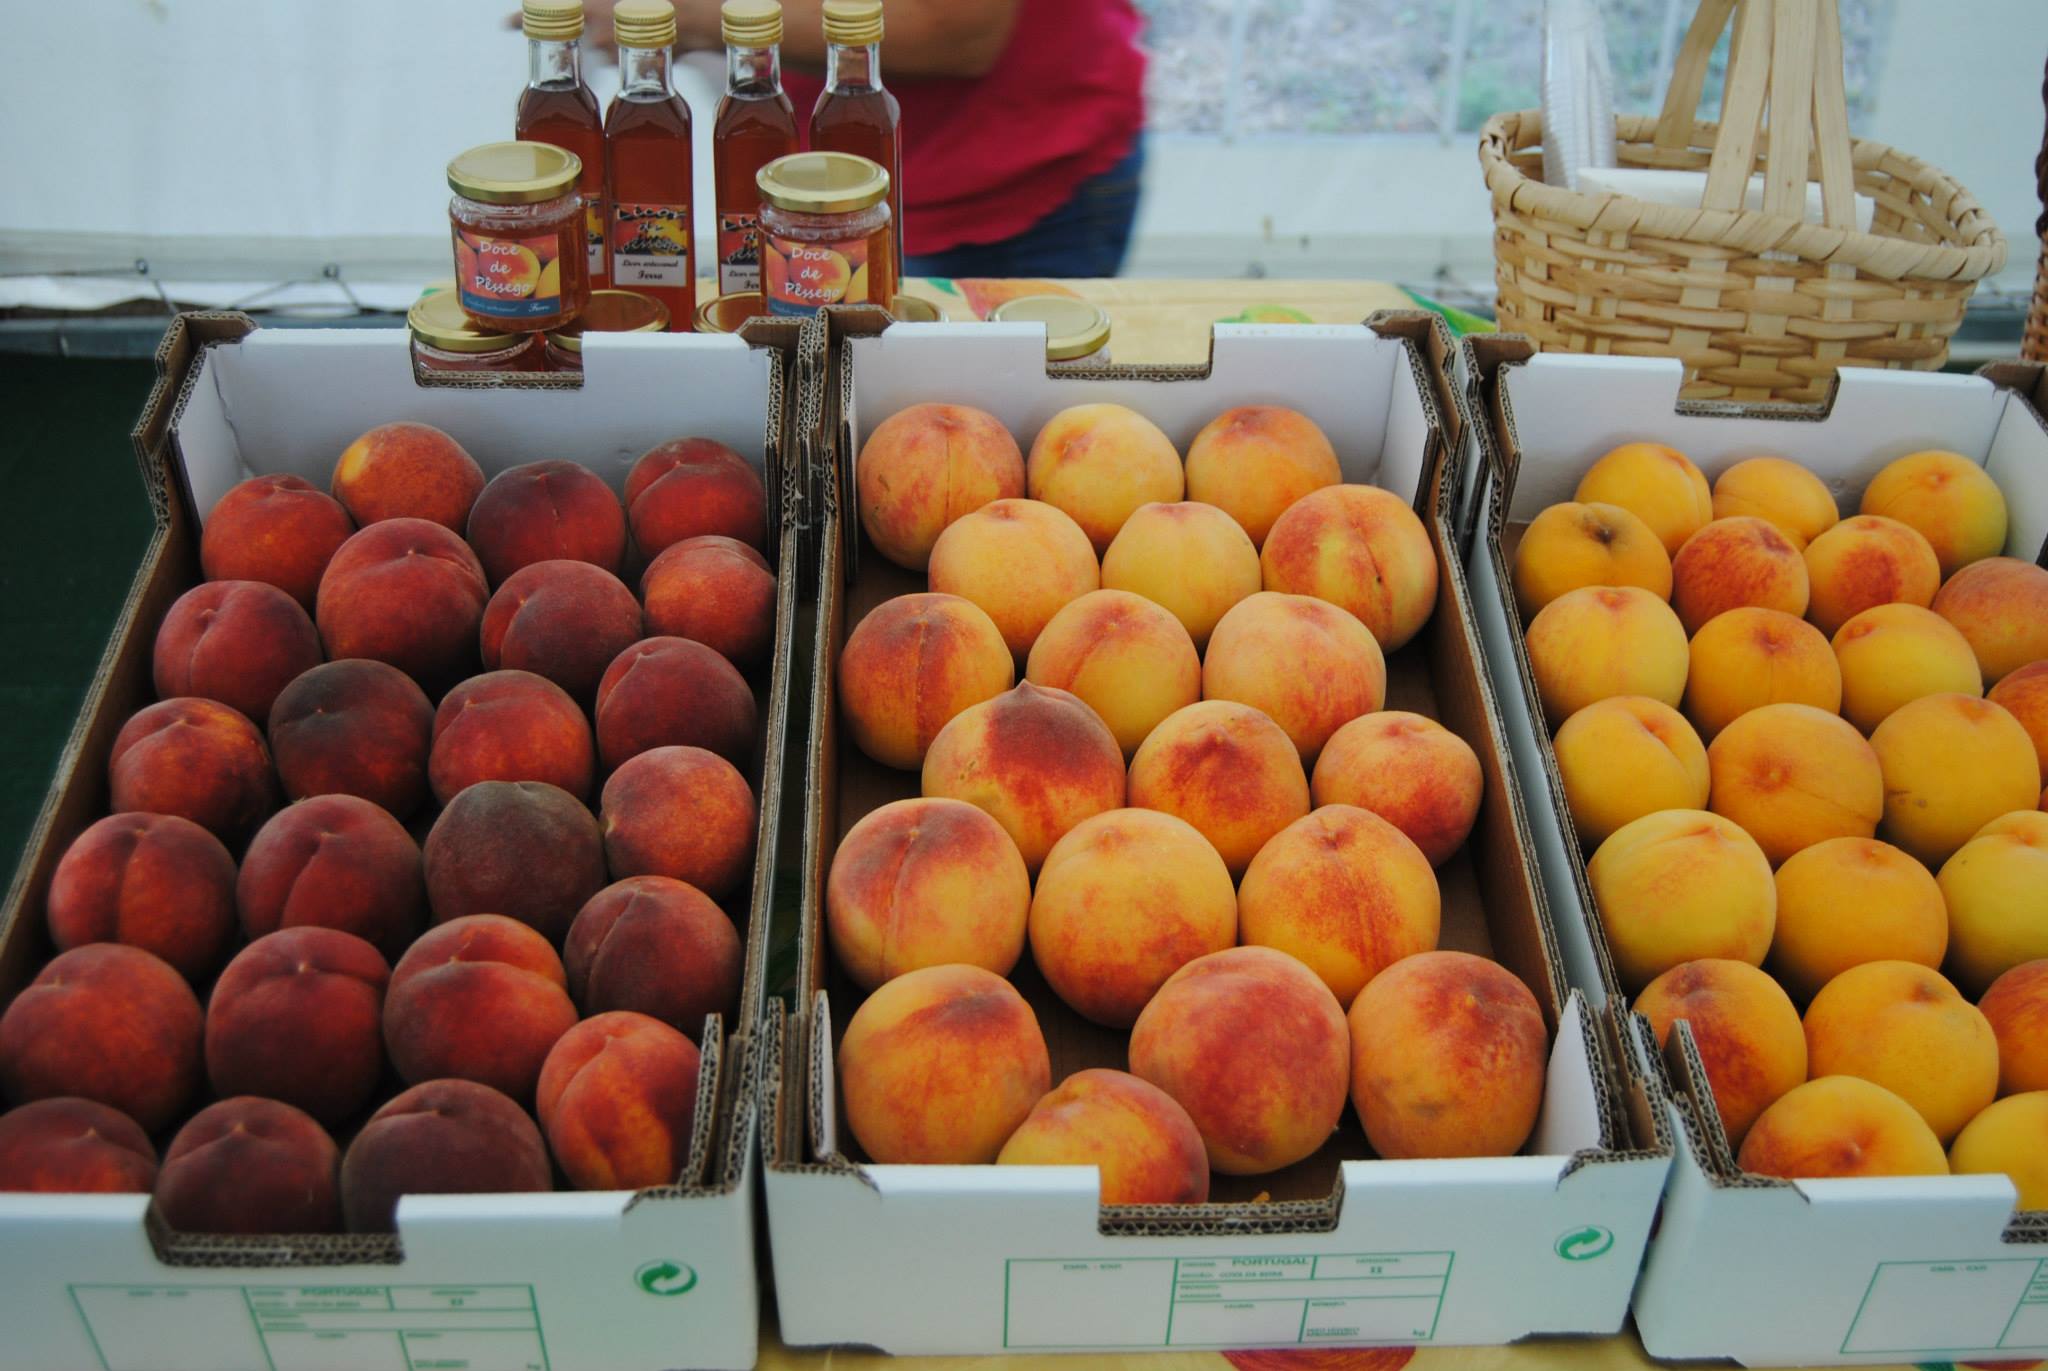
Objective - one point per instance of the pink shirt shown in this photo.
(986, 157)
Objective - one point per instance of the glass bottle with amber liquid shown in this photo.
(557, 107)
(756, 124)
(647, 147)
(856, 113)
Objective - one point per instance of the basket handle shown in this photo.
(1786, 55)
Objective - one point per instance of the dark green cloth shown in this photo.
(73, 525)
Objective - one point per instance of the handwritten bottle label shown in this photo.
(739, 253)
(802, 278)
(508, 278)
(650, 245)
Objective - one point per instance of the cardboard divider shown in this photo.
(1797, 1256)
(1380, 393)
(234, 401)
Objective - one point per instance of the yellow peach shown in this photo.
(1793, 776)
(1571, 545)
(911, 665)
(1143, 1143)
(1731, 563)
(1787, 494)
(1411, 771)
(2001, 605)
(1951, 500)
(924, 467)
(1747, 658)
(1680, 885)
(1864, 561)
(1191, 558)
(1098, 463)
(1254, 461)
(1905, 1027)
(1848, 901)
(1839, 1126)
(2009, 1138)
(2024, 695)
(1308, 665)
(1952, 763)
(1020, 561)
(1226, 768)
(1600, 641)
(1362, 549)
(1624, 757)
(1749, 1035)
(1126, 658)
(1996, 887)
(1657, 484)
(1892, 655)
(2017, 1007)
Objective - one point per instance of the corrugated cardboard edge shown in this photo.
(1677, 1073)
(792, 1107)
(724, 1130)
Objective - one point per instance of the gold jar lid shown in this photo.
(853, 23)
(644, 24)
(725, 313)
(518, 173)
(822, 183)
(1073, 328)
(437, 320)
(611, 311)
(554, 21)
(750, 23)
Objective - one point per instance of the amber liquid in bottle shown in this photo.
(756, 124)
(647, 142)
(857, 114)
(557, 107)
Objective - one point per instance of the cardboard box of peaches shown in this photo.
(1175, 970)
(377, 986)
(1784, 680)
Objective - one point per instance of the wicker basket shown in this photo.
(1758, 304)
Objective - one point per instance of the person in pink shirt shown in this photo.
(1022, 127)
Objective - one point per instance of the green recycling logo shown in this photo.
(1584, 1244)
(665, 1277)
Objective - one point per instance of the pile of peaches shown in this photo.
(1193, 808)
(345, 868)
(1816, 745)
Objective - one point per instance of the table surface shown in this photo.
(75, 522)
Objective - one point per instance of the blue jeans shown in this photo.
(1086, 236)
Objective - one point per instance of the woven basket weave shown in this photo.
(1758, 305)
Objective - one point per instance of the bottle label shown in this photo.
(650, 245)
(593, 237)
(509, 278)
(739, 253)
(802, 278)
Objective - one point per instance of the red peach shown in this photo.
(196, 759)
(249, 1165)
(446, 1137)
(524, 849)
(545, 512)
(279, 530)
(689, 486)
(354, 727)
(562, 620)
(152, 881)
(716, 591)
(618, 1101)
(334, 861)
(671, 692)
(238, 642)
(107, 1023)
(509, 726)
(680, 812)
(407, 471)
(297, 1017)
(657, 946)
(482, 998)
(407, 592)
(68, 1146)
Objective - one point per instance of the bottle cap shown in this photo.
(822, 183)
(644, 24)
(555, 21)
(853, 23)
(750, 23)
(437, 320)
(1073, 328)
(611, 311)
(514, 173)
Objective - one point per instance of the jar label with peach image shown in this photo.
(650, 245)
(509, 278)
(803, 277)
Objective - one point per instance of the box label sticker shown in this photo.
(1999, 1305)
(332, 1327)
(1240, 1301)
